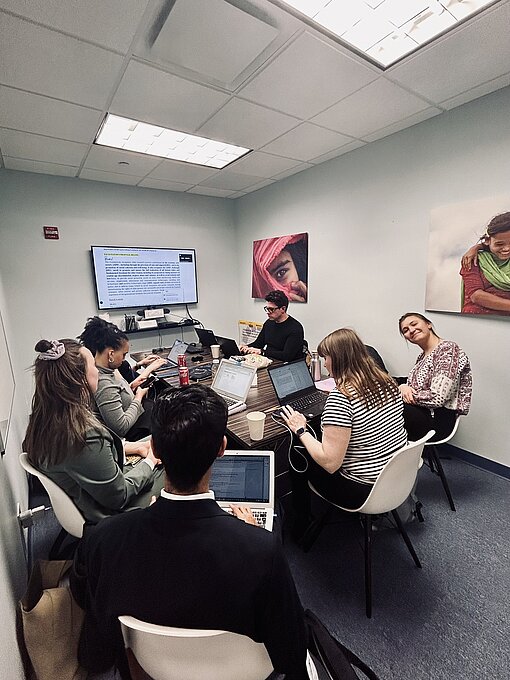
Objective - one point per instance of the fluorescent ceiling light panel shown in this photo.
(132, 135)
(387, 30)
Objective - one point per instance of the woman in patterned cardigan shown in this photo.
(440, 383)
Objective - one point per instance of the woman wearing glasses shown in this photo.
(281, 336)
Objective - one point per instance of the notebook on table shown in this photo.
(233, 381)
(294, 387)
(246, 478)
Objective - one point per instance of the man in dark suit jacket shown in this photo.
(184, 561)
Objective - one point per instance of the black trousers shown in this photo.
(418, 421)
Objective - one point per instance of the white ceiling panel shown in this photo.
(120, 162)
(153, 96)
(357, 116)
(475, 53)
(113, 177)
(259, 185)
(210, 38)
(293, 171)
(337, 152)
(263, 164)
(164, 184)
(181, 172)
(36, 166)
(245, 124)
(45, 62)
(210, 191)
(37, 148)
(106, 22)
(308, 77)
(403, 124)
(231, 180)
(306, 141)
(475, 92)
(35, 113)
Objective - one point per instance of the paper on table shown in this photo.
(325, 385)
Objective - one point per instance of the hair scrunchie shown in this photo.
(56, 350)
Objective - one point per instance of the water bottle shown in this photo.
(315, 367)
(214, 367)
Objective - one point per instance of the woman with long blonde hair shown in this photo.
(362, 427)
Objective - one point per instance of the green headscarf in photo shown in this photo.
(495, 271)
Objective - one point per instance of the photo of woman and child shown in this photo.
(281, 263)
(466, 278)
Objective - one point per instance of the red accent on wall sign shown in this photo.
(51, 233)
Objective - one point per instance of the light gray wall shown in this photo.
(367, 214)
(48, 284)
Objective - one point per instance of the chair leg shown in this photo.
(406, 538)
(367, 525)
(313, 531)
(435, 457)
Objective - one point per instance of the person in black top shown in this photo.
(281, 336)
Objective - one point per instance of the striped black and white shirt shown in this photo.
(377, 433)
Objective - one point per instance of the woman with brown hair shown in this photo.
(66, 441)
(362, 427)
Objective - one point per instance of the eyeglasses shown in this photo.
(270, 310)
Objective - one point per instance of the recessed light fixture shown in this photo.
(387, 30)
(132, 135)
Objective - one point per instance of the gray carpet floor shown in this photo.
(449, 620)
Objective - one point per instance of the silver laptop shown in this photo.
(171, 367)
(233, 381)
(246, 478)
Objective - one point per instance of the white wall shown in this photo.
(367, 214)
(48, 284)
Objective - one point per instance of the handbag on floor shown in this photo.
(52, 623)
(332, 656)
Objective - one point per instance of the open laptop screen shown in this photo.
(290, 378)
(233, 380)
(241, 479)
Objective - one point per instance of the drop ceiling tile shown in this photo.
(38, 114)
(38, 148)
(196, 34)
(153, 96)
(181, 172)
(307, 77)
(475, 53)
(373, 107)
(111, 177)
(36, 166)
(403, 124)
(338, 152)
(263, 164)
(105, 22)
(37, 59)
(293, 171)
(237, 194)
(210, 191)
(259, 185)
(246, 124)
(230, 180)
(475, 92)
(114, 160)
(164, 184)
(306, 141)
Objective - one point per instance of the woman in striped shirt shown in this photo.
(362, 427)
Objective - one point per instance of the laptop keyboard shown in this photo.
(307, 401)
(259, 514)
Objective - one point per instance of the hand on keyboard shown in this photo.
(243, 512)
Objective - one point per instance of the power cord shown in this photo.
(299, 448)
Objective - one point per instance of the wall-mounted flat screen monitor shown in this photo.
(144, 277)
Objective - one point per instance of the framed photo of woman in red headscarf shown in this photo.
(281, 263)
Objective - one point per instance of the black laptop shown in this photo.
(229, 347)
(294, 387)
(206, 337)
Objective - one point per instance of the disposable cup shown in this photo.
(256, 424)
(215, 351)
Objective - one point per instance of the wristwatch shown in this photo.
(300, 431)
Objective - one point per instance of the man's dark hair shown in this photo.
(278, 298)
(188, 427)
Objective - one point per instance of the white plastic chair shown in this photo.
(434, 461)
(69, 517)
(167, 653)
(391, 488)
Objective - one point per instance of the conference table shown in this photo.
(260, 398)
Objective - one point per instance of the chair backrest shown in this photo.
(167, 653)
(448, 437)
(68, 515)
(396, 479)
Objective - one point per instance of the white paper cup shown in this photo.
(256, 424)
(215, 351)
